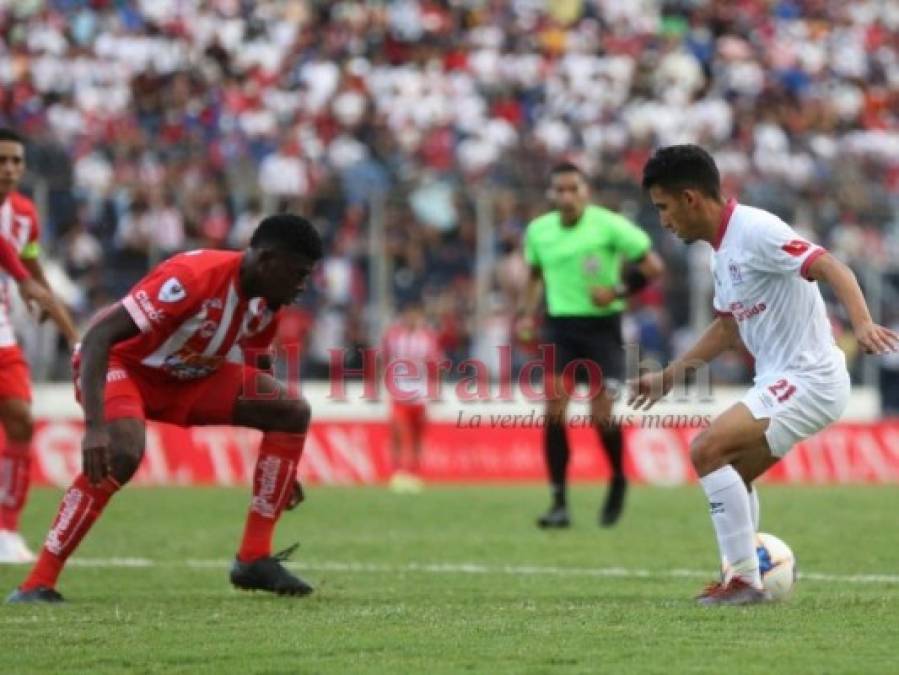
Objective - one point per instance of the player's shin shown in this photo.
(730, 509)
(81, 505)
(15, 465)
(754, 507)
(273, 478)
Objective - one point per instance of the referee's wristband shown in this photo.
(634, 281)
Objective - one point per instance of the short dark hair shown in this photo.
(8, 135)
(682, 167)
(566, 167)
(288, 232)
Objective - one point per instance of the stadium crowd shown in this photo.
(160, 125)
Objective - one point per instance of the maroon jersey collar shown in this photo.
(725, 220)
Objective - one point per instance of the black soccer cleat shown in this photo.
(40, 595)
(268, 574)
(611, 510)
(556, 517)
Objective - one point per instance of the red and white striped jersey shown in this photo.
(192, 316)
(419, 346)
(20, 228)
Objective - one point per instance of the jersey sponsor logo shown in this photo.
(172, 291)
(741, 314)
(147, 307)
(796, 247)
(736, 277)
(60, 534)
(116, 375)
(187, 364)
(265, 502)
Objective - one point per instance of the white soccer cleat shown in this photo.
(14, 550)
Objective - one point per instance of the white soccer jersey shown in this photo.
(760, 265)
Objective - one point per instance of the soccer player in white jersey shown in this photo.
(766, 296)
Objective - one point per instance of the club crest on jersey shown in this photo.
(736, 276)
(172, 291)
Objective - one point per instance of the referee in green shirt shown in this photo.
(589, 260)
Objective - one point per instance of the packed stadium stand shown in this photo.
(161, 125)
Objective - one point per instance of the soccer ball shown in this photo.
(776, 563)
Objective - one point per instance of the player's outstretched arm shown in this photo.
(873, 338)
(55, 309)
(114, 327)
(721, 335)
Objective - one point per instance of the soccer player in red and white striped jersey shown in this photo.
(409, 346)
(183, 348)
(20, 233)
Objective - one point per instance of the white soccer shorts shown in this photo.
(797, 406)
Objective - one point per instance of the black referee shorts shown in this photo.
(595, 338)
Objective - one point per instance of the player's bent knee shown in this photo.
(299, 415)
(706, 453)
(20, 429)
(285, 415)
(125, 463)
(126, 447)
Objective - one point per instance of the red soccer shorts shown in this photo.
(133, 392)
(15, 381)
(410, 416)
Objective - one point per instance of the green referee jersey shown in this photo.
(576, 258)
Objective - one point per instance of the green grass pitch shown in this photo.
(459, 580)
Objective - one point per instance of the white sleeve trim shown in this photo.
(136, 313)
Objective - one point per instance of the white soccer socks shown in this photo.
(731, 511)
(754, 507)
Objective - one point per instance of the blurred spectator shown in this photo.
(246, 223)
(152, 228)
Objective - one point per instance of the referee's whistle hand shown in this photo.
(603, 295)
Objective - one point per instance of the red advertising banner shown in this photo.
(345, 452)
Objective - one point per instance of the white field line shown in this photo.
(477, 568)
